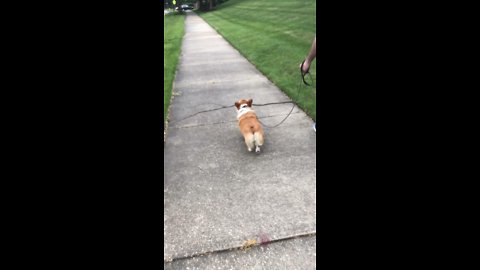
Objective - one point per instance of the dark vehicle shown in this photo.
(186, 7)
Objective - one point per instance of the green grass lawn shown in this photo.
(274, 35)
(173, 26)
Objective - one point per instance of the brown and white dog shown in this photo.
(249, 126)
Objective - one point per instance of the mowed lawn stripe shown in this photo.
(275, 36)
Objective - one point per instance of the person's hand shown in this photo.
(305, 67)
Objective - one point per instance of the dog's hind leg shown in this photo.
(249, 141)
(258, 136)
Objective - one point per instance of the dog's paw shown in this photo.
(249, 149)
(257, 150)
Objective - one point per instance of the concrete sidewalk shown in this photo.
(217, 195)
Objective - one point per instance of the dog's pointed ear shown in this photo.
(237, 105)
(249, 102)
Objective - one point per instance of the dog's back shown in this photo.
(249, 125)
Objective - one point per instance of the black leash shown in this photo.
(303, 75)
(298, 94)
(265, 104)
(211, 110)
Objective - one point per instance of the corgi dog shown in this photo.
(249, 126)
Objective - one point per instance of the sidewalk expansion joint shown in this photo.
(240, 248)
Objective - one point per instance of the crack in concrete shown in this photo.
(239, 247)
